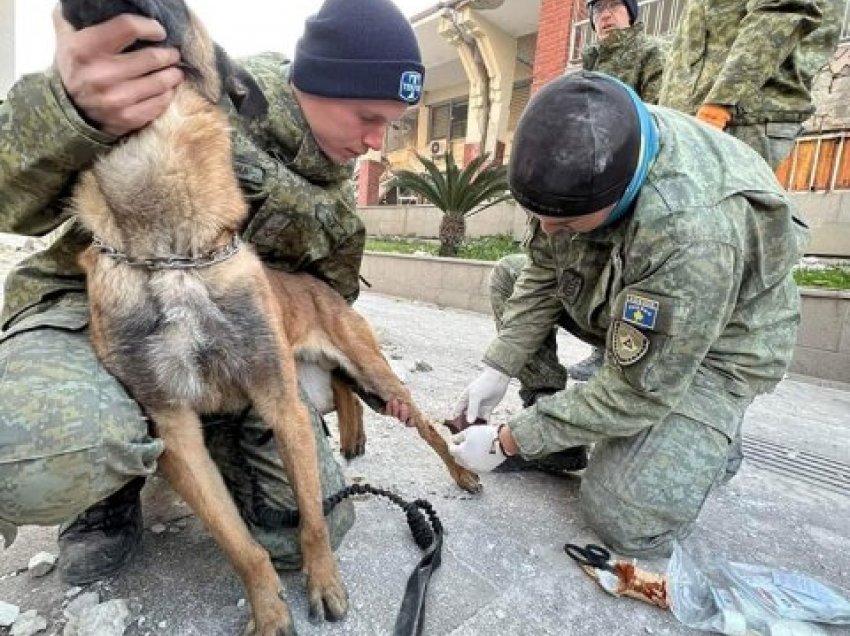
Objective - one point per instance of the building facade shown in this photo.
(484, 58)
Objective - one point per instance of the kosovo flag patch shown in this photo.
(640, 311)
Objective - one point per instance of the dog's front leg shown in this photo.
(276, 399)
(192, 473)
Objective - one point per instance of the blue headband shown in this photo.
(648, 151)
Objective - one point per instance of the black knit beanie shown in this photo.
(576, 146)
(361, 49)
(631, 7)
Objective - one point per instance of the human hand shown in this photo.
(477, 448)
(400, 410)
(118, 92)
(715, 115)
(483, 395)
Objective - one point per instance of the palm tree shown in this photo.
(459, 193)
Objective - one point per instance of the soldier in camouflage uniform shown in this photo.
(623, 49)
(747, 67)
(74, 447)
(671, 245)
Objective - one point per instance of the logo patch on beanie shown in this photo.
(410, 87)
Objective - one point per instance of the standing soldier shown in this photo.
(747, 67)
(623, 49)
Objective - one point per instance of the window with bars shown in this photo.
(448, 120)
(519, 100)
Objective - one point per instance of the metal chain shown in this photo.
(218, 255)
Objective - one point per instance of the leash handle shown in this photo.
(427, 533)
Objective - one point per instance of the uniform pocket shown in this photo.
(69, 313)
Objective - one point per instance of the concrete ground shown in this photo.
(504, 570)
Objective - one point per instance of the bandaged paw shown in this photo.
(477, 448)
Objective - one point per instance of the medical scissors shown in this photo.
(590, 555)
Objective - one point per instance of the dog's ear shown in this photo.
(240, 86)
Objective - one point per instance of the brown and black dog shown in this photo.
(192, 322)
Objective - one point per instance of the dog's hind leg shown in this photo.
(192, 473)
(276, 400)
(349, 415)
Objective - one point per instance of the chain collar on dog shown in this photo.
(218, 255)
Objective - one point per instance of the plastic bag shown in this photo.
(739, 599)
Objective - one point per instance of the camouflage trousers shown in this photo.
(70, 436)
(640, 493)
(773, 141)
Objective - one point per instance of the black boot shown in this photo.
(104, 538)
(565, 461)
(585, 369)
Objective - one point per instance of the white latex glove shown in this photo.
(483, 395)
(477, 448)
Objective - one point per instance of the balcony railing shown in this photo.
(659, 17)
(818, 163)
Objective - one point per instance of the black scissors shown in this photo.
(592, 555)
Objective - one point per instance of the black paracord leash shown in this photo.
(427, 533)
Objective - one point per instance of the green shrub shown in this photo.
(831, 277)
(486, 248)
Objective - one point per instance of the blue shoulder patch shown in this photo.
(410, 87)
(640, 311)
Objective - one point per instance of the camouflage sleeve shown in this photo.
(663, 326)
(341, 268)
(768, 34)
(653, 69)
(589, 57)
(44, 142)
(532, 310)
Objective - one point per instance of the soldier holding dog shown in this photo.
(76, 448)
(642, 240)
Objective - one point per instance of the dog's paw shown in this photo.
(466, 479)
(358, 449)
(328, 601)
(273, 619)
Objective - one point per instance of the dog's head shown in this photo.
(199, 59)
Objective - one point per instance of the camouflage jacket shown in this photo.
(302, 216)
(757, 56)
(691, 294)
(631, 56)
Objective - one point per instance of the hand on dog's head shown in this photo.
(173, 15)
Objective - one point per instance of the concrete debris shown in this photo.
(41, 563)
(106, 619)
(420, 366)
(28, 624)
(8, 613)
(81, 604)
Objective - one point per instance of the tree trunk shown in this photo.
(452, 233)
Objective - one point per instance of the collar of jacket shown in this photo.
(283, 129)
(623, 36)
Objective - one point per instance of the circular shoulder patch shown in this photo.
(628, 344)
